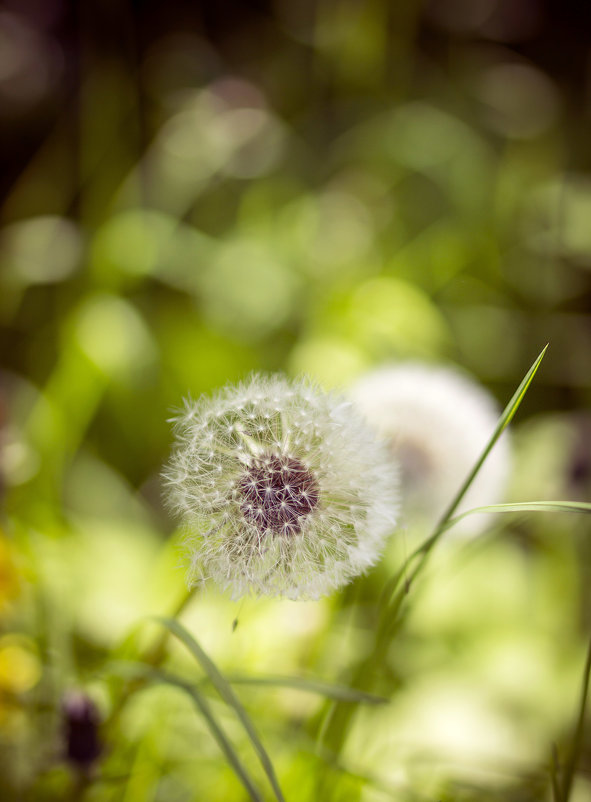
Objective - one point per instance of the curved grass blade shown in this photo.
(224, 689)
(340, 692)
(158, 675)
(526, 506)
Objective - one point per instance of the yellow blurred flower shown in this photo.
(20, 671)
(19, 664)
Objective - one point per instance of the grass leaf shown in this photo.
(506, 417)
(225, 690)
(340, 692)
(526, 506)
(445, 522)
(158, 675)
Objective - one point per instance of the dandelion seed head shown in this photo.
(437, 422)
(273, 505)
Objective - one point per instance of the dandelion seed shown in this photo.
(292, 513)
(437, 422)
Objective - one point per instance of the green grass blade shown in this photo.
(422, 552)
(222, 740)
(571, 762)
(506, 417)
(225, 690)
(391, 601)
(526, 506)
(340, 692)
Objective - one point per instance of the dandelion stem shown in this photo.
(158, 651)
(152, 657)
(81, 784)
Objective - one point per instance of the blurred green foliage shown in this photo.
(317, 192)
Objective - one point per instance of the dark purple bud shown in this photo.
(81, 722)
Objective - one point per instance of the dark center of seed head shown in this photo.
(277, 493)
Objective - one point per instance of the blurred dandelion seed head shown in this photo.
(437, 421)
(283, 488)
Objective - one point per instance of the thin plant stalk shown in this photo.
(153, 657)
(575, 750)
(554, 774)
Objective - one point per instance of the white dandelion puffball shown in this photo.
(437, 422)
(284, 488)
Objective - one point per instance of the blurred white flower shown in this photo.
(437, 422)
(284, 489)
